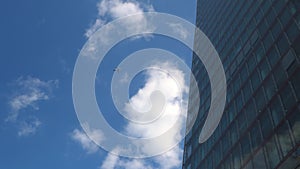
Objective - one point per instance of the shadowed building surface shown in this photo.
(259, 44)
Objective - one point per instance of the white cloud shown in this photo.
(29, 128)
(125, 78)
(179, 29)
(86, 143)
(170, 159)
(98, 23)
(110, 161)
(28, 92)
(173, 88)
(113, 9)
(113, 161)
(132, 164)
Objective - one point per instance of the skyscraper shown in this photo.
(259, 45)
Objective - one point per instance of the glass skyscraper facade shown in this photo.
(259, 45)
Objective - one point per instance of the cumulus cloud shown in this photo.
(172, 83)
(173, 88)
(113, 9)
(28, 92)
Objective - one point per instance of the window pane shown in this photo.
(271, 16)
(270, 87)
(250, 111)
(285, 17)
(280, 76)
(294, 121)
(264, 69)
(292, 7)
(276, 29)
(258, 16)
(260, 99)
(279, 5)
(259, 160)
(249, 165)
(228, 162)
(247, 91)
(256, 137)
(254, 36)
(283, 44)
(266, 124)
(259, 52)
(293, 31)
(276, 111)
(284, 139)
(268, 40)
(296, 84)
(272, 151)
(233, 133)
(236, 157)
(273, 56)
(242, 122)
(244, 74)
(239, 102)
(251, 63)
(226, 144)
(255, 79)
(246, 148)
(263, 27)
(287, 97)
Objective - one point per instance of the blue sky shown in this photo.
(40, 42)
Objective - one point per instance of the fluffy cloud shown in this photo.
(171, 82)
(86, 143)
(113, 161)
(173, 88)
(113, 9)
(28, 93)
(110, 162)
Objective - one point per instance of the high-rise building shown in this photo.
(259, 45)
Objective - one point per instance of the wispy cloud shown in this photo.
(28, 92)
(179, 29)
(86, 143)
(29, 128)
(113, 9)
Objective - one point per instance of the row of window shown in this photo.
(251, 29)
(286, 99)
(272, 116)
(273, 56)
(253, 150)
(263, 27)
